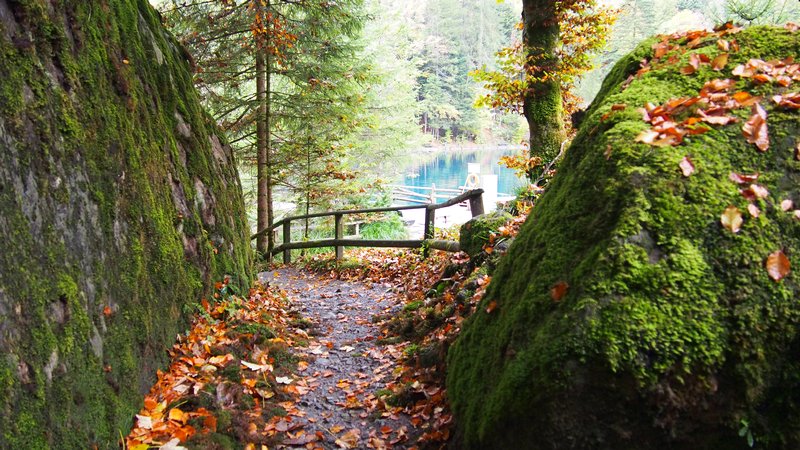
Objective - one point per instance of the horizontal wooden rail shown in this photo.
(426, 188)
(437, 244)
(281, 222)
(338, 242)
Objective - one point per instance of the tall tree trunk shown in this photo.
(261, 153)
(265, 214)
(308, 187)
(268, 151)
(542, 103)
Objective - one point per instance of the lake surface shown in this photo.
(448, 169)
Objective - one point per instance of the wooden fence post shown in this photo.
(476, 205)
(338, 227)
(287, 237)
(430, 216)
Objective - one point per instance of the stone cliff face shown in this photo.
(120, 207)
(669, 331)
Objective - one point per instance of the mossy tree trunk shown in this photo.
(542, 105)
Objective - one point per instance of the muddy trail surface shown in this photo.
(344, 368)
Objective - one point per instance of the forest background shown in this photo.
(338, 98)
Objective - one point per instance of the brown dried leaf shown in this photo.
(723, 45)
(716, 85)
(744, 98)
(715, 120)
(694, 131)
(778, 265)
(177, 415)
(783, 80)
(755, 129)
(787, 204)
(791, 101)
(762, 78)
(694, 43)
(647, 137)
(720, 61)
(739, 178)
(743, 71)
(491, 307)
(753, 210)
(686, 166)
(660, 49)
(759, 191)
(732, 219)
(349, 439)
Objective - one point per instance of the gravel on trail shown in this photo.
(343, 365)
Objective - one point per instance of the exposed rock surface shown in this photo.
(627, 315)
(119, 207)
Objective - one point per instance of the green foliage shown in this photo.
(389, 227)
(450, 38)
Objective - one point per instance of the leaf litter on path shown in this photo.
(314, 359)
(346, 368)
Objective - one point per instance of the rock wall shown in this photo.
(120, 206)
(627, 314)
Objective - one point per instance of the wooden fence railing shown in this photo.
(411, 194)
(474, 197)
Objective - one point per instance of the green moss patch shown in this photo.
(671, 332)
(114, 222)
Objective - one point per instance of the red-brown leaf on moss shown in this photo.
(778, 265)
(740, 178)
(791, 101)
(720, 61)
(755, 129)
(559, 290)
(755, 191)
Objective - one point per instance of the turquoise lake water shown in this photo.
(449, 169)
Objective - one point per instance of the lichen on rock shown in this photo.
(671, 333)
(107, 240)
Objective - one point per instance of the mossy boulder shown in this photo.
(120, 206)
(475, 233)
(626, 315)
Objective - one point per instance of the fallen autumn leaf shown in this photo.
(778, 265)
(732, 219)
